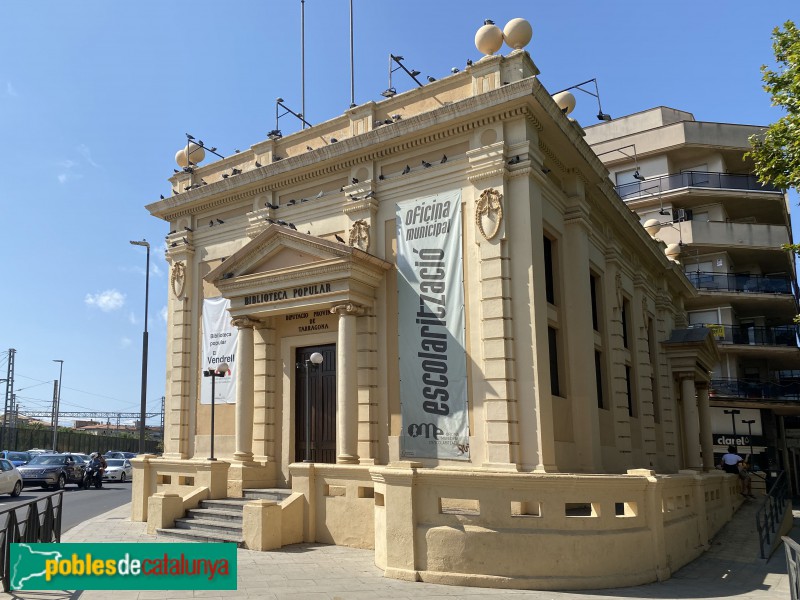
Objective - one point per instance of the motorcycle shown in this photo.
(93, 474)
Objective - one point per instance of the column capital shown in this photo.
(683, 375)
(243, 322)
(347, 309)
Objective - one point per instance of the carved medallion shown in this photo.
(489, 213)
(359, 235)
(178, 279)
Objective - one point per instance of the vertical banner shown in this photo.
(433, 362)
(219, 346)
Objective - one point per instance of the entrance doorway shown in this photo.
(322, 403)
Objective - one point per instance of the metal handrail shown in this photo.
(700, 179)
(744, 388)
(778, 335)
(792, 565)
(769, 516)
(34, 526)
(733, 282)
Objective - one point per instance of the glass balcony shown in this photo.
(744, 388)
(780, 335)
(699, 179)
(732, 282)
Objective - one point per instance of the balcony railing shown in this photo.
(699, 179)
(781, 335)
(742, 388)
(731, 282)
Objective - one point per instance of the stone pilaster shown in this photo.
(704, 415)
(579, 339)
(180, 319)
(644, 371)
(367, 343)
(619, 395)
(691, 423)
(264, 394)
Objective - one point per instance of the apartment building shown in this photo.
(694, 190)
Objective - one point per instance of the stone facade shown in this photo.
(580, 388)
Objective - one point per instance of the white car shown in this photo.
(10, 479)
(119, 469)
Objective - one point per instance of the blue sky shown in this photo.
(95, 98)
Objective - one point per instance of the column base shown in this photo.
(346, 459)
(244, 457)
(244, 476)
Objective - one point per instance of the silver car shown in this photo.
(119, 469)
(10, 479)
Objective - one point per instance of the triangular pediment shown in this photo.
(278, 249)
(284, 271)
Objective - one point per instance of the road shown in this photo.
(79, 505)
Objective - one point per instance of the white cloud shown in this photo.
(163, 313)
(11, 90)
(106, 301)
(84, 151)
(66, 167)
(125, 342)
(132, 318)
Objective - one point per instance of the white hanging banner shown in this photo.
(433, 362)
(219, 346)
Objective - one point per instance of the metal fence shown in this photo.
(770, 515)
(702, 179)
(743, 388)
(735, 282)
(792, 563)
(35, 521)
(25, 438)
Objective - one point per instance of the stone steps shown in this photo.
(219, 520)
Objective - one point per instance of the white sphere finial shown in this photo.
(565, 101)
(652, 227)
(517, 33)
(673, 251)
(489, 38)
(196, 155)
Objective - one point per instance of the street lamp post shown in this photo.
(733, 412)
(312, 361)
(220, 371)
(142, 416)
(57, 402)
(749, 424)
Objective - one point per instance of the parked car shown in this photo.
(130, 454)
(17, 458)
(10, 478)
(111, 454)
(34, 451)
(119, 469)
(53, 470)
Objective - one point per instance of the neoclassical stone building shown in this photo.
(506, 369)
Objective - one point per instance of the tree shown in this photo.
(776, 152)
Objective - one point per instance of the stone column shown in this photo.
(347, 384)
(691, 423)
(704, 414)
(245, 374)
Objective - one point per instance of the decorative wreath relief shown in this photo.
(489, 213)
(178, 279)
(359, 235)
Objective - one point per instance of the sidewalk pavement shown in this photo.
(321, 572)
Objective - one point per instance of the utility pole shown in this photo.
(9, 394)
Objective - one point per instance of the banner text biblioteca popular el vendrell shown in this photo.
(433, 366)
(219, 347)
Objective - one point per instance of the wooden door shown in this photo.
(321, 400)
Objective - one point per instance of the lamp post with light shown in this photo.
(733, 413)
(142, 417)
(312, 361)
(749, 423)
(220, 371)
